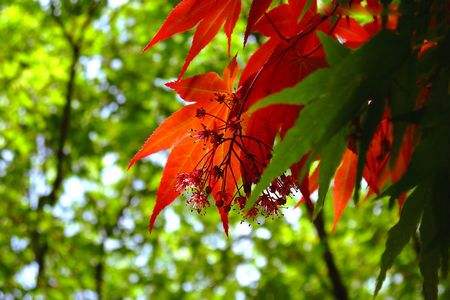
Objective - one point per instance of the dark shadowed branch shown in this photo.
(75, 42)
(339, 289)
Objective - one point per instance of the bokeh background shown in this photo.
(77, 99)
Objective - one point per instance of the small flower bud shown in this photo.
(201, 112)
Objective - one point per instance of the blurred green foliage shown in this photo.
(91, 240)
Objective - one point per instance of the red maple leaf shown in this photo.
(377, 170)
(192, 134)
(257, 10)
(218, 150)
(212, 141)
(207, 15)
(344, 182)
(292, 51)
(263, 126)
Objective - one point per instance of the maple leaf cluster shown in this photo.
(219, 148)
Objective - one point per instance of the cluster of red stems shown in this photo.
(218, 148)
(207, 174)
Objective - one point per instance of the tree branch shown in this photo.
(51, 198)
(339, 289)
(40, 245)
(99, 271)
(63, 130)
(108, 232)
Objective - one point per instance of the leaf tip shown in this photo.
(148, 46)
(224, 219)
(134, 160)
(131, 163)
(333, 228)
(151, 222)
(171, 84)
